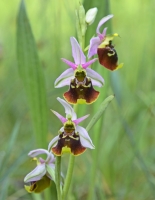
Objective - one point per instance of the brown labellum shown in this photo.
(108, 57)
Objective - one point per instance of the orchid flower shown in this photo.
(72, 138)
(79, 77)
(42, 175)
(102, 45)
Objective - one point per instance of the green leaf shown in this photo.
(31, 73)
(97, 116)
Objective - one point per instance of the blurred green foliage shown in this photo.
(126, 158)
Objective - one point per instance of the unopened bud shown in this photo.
(90, 15)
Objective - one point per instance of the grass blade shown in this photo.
(102, 107)
(32, 76)
(98, 126)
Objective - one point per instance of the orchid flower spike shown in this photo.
(72, 138)
(42, 175)
(102, 45)
(79, 77)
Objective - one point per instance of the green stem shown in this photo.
(47, 194)
(36, 196)
(57, 176)
(68, 177)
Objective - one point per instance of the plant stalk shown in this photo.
(58, 176)
(68, 176)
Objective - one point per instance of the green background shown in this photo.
(126, 145)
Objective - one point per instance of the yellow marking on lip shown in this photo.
(66, 149)
(81, 101)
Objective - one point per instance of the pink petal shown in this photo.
(95, 77)
(68, 109)
(53, 142)
(87, 64)
(96, 83)
(51, 159)
(62, 119)
(37, 152)
(64, 82)
(94, 43)
(101, 22)
(41, 160)
(71, 64)
(104, 32)
(36, 174)
(62, 129)
(84, 137)
(77, 121)
(77, 52)
(64, 78)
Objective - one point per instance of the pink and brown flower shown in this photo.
(72, 138)
(40, 178)
(79, 77)
(102, 45)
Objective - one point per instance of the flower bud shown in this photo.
(90, 15)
